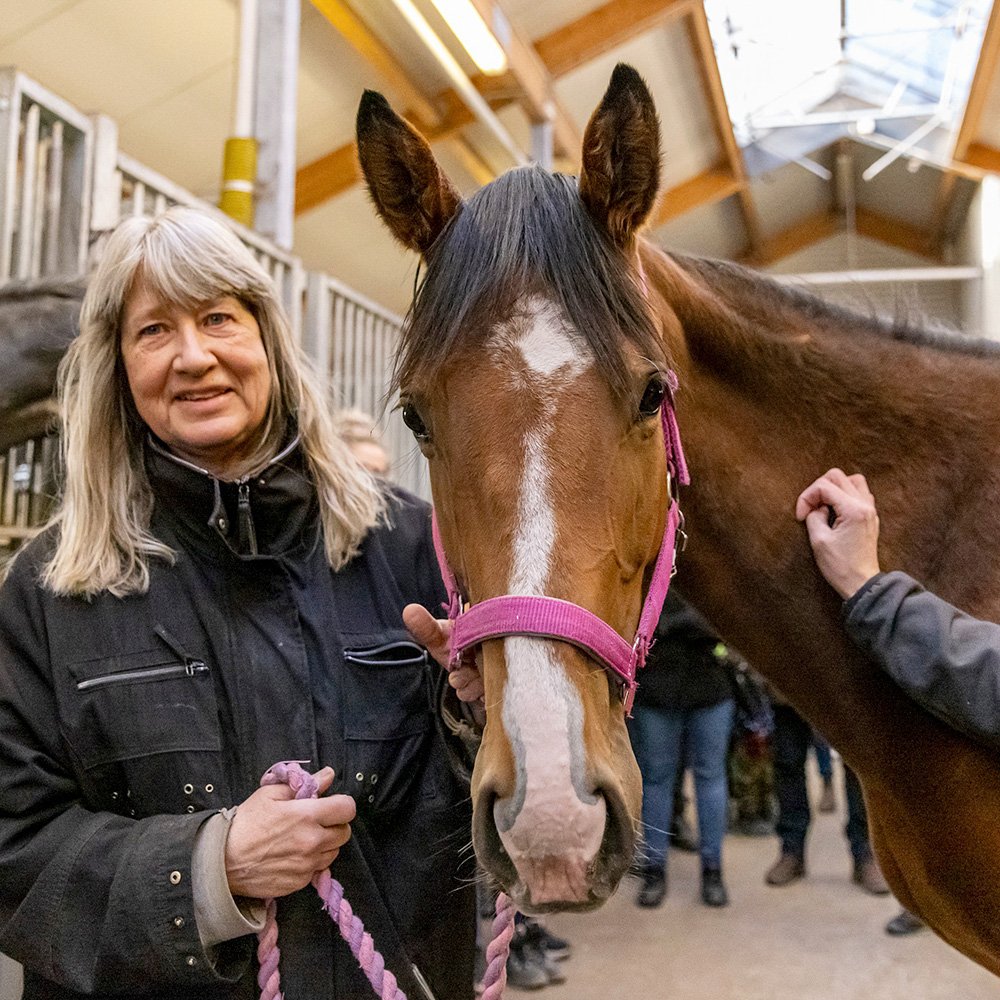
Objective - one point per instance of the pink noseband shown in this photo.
(552, 618)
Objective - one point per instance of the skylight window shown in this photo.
(849, 65)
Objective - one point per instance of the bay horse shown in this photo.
(37, 322)
(531, 365)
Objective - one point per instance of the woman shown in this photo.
(221, 588)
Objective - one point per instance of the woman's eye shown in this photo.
(652, 398)
(216, 319)
(150, 330)
(413, 420)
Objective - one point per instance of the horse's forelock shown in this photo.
(526, 232)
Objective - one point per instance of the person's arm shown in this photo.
(99, 902)
(943, 658)
(89, 899)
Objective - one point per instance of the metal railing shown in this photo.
(352, 342)
(45, 171)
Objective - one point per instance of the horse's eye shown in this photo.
(652, 398)
(413, 420)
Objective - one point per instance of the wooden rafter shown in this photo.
(535, 85)
(705, 188)
(559, 52)
(701, 39)
(806, 233)
(357, 34)
(965, 139)
(823, 225)
(604, 29)
(894, 233)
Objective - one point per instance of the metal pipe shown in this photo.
(239, 164)
(882, 276)
(472, 98)
(246, 70)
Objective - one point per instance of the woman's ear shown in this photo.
(620, 176)
(410, 191)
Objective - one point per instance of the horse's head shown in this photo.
(531, 373)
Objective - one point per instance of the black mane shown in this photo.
(527, 231)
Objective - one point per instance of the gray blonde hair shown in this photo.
(186, 257)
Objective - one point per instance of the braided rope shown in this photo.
(351, 928)
(331, 893)
(497, 951)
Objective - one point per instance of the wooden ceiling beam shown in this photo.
(604, 29)
(701, 39)
(705, 188)
(560, 52)
(358, 35)
(895, 233)
(799, 236)
(983, 157)
(535, 84)
(982, 85)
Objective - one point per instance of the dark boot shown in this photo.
(787, 869)
(713, 889)
(869, 876)
(653, 889)
(904, 923)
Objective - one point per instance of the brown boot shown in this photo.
(869, 876)
(787, 869)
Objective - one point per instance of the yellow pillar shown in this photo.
(239, 171)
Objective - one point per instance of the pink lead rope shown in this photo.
(331, 893)
(552, 618)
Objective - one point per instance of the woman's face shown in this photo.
(199, 379)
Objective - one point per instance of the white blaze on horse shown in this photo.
(532, 368)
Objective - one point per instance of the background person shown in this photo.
(218, 590)
(685, 704)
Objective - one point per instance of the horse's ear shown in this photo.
(621, 156)
(409, 189)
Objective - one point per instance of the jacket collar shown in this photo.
(265, 514)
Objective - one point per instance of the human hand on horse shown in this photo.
(277, 843)
(433, 634)
(842, 522)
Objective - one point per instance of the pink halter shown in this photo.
(552, 618)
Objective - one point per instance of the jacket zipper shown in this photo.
(190, 669)
(247, 531)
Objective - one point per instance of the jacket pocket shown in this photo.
(387, 720)
(139, 703)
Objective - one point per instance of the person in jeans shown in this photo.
(685, 701)
(792, 738)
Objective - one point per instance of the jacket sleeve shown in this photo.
(90, 900)
(943, 658)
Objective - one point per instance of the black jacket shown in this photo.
(126, 723)
(946, 660)
(681, 671)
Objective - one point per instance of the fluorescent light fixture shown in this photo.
(474, 34)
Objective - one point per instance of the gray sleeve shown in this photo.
(220, 917)
(943, 658)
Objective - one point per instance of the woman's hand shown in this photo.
(845, 544)
(433, 634)
(277, 843)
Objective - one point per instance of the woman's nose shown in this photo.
(194, 349)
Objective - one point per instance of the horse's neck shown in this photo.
(761, 418)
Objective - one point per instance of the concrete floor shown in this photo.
(818, 939)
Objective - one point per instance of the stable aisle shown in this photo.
(819, 939)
